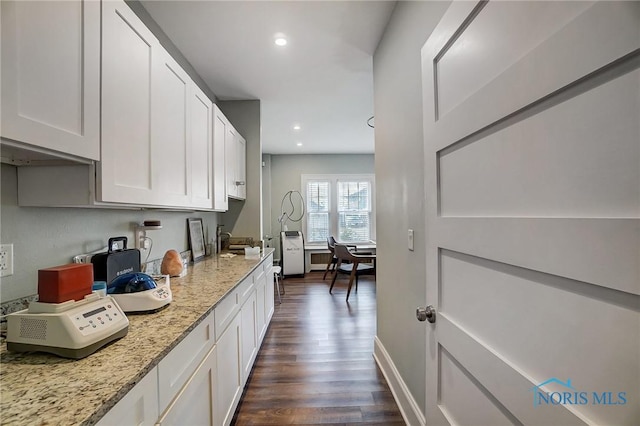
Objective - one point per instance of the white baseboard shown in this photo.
(406, 403)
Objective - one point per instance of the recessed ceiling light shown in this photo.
(299, 144)
(280, 39)
(296, 127)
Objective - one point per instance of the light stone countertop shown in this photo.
(44, 389)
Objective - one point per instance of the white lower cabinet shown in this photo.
(138, 407)
(269, 290)
(229, 378)
(179, 365)
(261, 304)
(248, 316)
(195, 405)
(200, 381)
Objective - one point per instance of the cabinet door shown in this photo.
(128, 50)
(201, 113)
(220, 125)
(249, 345)
(269, 290)
(171, 160)
(229, 372)
(138, 407)
(241, 167)
(230, 142)
(195, 405)
(51, 75)
(261, 304)
(175, 369)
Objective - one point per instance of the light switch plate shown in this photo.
(410, 239)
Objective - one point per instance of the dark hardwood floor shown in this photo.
(316, 364)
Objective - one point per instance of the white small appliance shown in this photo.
(292, 249)
(140, 293)
(71, 329)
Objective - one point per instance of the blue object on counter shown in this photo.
(131, 283)
(100, 287)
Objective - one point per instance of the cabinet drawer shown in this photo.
(175, 369)
(259, 273)
(225, 311)
(245, 288)
(268, 263)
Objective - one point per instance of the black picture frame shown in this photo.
(195, 230)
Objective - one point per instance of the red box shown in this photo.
(65, 282)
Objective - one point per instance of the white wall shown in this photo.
(399, 183)
(286, 171)
(44, 237)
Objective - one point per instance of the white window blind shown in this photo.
(317, 211)
(339, 205)
(354, 209)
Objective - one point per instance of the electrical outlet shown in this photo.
(6, 260)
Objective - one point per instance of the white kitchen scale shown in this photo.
(71, 329)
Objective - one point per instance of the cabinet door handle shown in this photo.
(240, 183)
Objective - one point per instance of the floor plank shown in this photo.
(316, 363)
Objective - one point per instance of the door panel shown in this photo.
(475, 179)
(532, 159)
(464, 400)
(467, 64)
(565, 57)
(503, 306)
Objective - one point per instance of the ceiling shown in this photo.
(322, 80)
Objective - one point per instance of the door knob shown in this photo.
(428, 314)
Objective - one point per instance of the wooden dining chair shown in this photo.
(351, 264)
(333, 260)
(331, 264)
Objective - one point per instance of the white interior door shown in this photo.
(532, 159)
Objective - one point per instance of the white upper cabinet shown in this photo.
(155, 147)
(128, 50)
(51, 76)
(220, 126)
(157, 124)
(201, 117)
(231, 161)
(171, 132)
(241, 167)
(235, 149)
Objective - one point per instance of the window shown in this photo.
(339, 205)
(317, 210)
